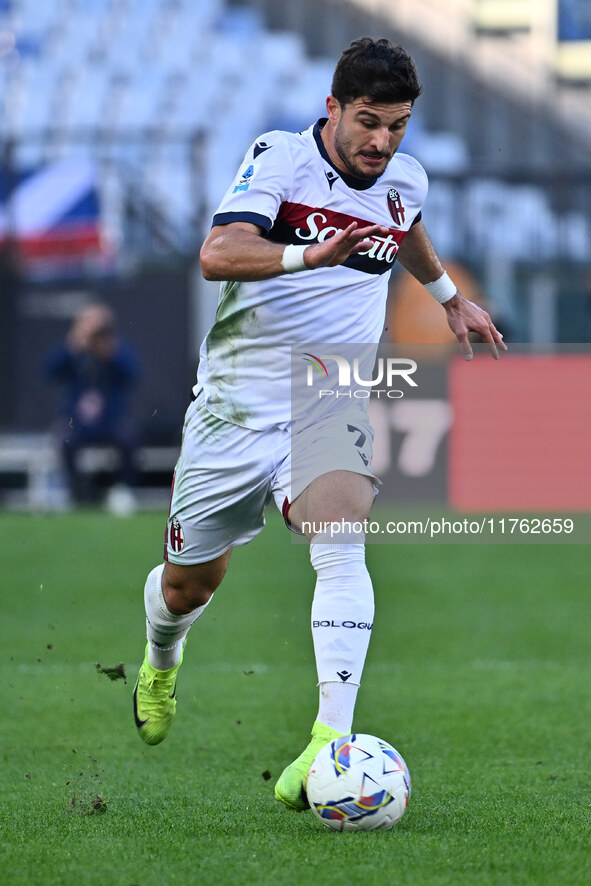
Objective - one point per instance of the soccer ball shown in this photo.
(358, 783)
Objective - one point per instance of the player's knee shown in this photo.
(182, 599)
(186, 588)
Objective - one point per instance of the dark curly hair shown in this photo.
(377, 70)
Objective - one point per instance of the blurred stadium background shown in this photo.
(122, 122)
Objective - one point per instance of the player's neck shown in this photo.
(327, 136)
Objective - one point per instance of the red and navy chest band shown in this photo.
(301, 224)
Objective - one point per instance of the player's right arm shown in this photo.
(238, 251)
(237, 248)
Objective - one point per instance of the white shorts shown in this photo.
(226, 474)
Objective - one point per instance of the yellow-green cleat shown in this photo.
(154, 701)
(291, 787)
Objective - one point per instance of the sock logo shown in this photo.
(325, 623)
(337, 645)
(344, 675)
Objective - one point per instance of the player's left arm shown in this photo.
(418, 256)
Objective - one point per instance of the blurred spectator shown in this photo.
(97, 372)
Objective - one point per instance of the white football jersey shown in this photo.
(289, 187)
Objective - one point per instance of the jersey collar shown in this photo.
(358, 184)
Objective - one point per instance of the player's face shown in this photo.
(365, 136)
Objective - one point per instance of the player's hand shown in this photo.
(337, 249)
(463, 317)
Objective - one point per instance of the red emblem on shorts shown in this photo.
(176, 539)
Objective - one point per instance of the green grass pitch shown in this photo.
(478, 673)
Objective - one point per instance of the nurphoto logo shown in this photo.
(388, 370)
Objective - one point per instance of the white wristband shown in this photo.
(442, 289)
(293, 259)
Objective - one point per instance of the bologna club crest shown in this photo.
(176, 538)
(395, 206)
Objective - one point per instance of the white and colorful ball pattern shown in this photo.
(358, 783)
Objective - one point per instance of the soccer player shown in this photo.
(303, 243)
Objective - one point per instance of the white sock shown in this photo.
(342, 620)
(337, 705)
(166, 631)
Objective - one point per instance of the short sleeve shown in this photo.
(262, 184)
